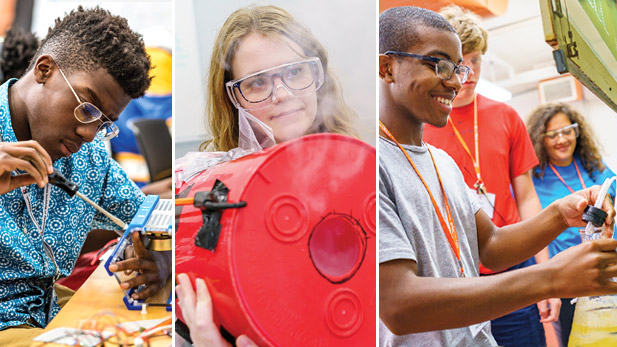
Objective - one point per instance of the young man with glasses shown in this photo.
(87, 69)
(432, 232)
(488, 141)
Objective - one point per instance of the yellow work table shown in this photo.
(101, 293)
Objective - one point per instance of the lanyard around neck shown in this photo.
(41, 227)
(580, 178)
(450, 232)
(479, 185)
(26, 195)
(25, 192)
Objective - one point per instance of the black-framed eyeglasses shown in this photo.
(258, 89)
(86, 113)
(444, 68)
(569, 131)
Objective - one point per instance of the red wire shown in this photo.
(100, 253)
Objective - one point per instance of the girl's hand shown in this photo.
(196, 306)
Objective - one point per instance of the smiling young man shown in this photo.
(90, 65)
(488, 141)
(433, 233)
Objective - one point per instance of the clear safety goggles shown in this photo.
(258, 90)
(570, 131)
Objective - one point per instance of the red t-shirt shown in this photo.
(505, 150)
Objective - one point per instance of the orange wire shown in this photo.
(163, 323)
(184, 201)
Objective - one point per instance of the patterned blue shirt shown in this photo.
(25, 270)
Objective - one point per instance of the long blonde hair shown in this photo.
(333, 114)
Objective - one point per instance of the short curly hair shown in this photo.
(398, 27)
(18, 48)
(586, 147)
(89, 39)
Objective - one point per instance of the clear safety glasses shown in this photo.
(444, 68)
(85, 112)
(570, 131)
(259, 90)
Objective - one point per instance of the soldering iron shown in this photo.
(71, 188)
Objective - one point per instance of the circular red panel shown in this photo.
(370, 213)
(343, 312)
(336, 247)
(286, 218)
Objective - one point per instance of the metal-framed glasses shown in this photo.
(259, 90)
(86, 113)
(444, 68)
(568, 131)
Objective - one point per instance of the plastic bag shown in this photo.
(254, 135)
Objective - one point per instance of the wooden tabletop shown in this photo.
(102, 293)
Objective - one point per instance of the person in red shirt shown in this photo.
(488, 141)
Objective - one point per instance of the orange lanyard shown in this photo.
(564, 182)
(479, 185)
(450, 232)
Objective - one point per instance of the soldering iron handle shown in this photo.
(57, 179)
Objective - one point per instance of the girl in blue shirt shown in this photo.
(569, 161)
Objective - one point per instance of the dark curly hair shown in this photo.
(586, 147)
(398, 27)
(88, 39)
(18, 48)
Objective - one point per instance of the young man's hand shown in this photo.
(583, 270)
(154, 268)
(196, 306)
(28, 156)
(573, 206)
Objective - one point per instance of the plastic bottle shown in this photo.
(595, 317)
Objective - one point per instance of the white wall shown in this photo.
(347, 29)
(139, 14)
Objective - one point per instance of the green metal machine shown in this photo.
(583, 34)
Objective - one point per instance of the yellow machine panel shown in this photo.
(583, 34)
